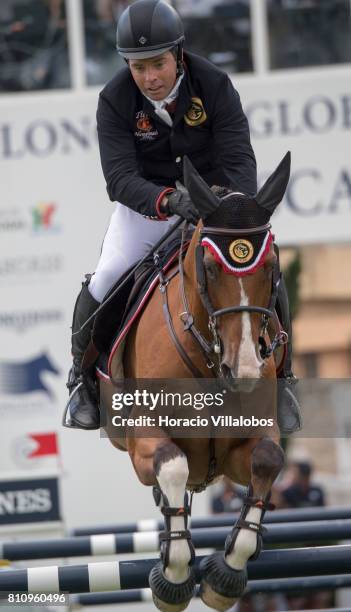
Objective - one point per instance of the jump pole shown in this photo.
(134, 574)
(222, 520)
(148, 542)
(282, 585)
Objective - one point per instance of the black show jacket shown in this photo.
(141, 156)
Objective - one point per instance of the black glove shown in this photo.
(179, 203)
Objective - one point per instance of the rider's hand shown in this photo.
(179, 203)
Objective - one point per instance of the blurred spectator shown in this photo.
(301, 492)
(100, 19)
(110, 10)
(33, 45)
(262, 602)
(309, 32)
(229, 498)
(219, 30)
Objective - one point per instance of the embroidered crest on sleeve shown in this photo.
(195, 115)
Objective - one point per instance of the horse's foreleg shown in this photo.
(224, 578)
(172, 580)
(172, 472)
(267, 459)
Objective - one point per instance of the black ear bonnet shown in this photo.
(238, 254)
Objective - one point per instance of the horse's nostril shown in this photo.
(227, 371)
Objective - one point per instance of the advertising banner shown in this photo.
(53, 215)
(29, 501)
(308, 113)
(54, 212)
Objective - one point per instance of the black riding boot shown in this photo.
(289, 416)
(82, 409)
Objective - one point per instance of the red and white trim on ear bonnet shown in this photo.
(239, 256)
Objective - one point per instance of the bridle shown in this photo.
(212, 351)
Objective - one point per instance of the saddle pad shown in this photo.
(103, 368)
(121, 299)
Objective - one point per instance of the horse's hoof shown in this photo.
(215, 601)
(169, 596)
(167, 607)
(221, 585)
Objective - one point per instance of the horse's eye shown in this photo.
(211, 270)
(269, 265)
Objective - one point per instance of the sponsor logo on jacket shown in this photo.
(145, 130)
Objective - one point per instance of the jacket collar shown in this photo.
(183, 102)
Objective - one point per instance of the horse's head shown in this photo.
(237, 270)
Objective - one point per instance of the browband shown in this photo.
(235, 232)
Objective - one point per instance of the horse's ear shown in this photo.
(204, 199)
(274, 188)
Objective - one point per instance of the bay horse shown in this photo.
(227, 282)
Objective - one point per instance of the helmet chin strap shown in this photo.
(179, 58)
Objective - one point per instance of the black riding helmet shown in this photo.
(148, 28)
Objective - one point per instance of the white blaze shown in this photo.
(248, 363)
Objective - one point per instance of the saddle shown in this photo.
(114, 321)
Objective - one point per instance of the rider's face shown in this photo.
(155, 76)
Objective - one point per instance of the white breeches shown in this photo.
(129, 238)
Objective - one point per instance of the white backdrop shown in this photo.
(53, 214)
(308, 113)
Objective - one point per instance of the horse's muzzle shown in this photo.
(233, 383)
